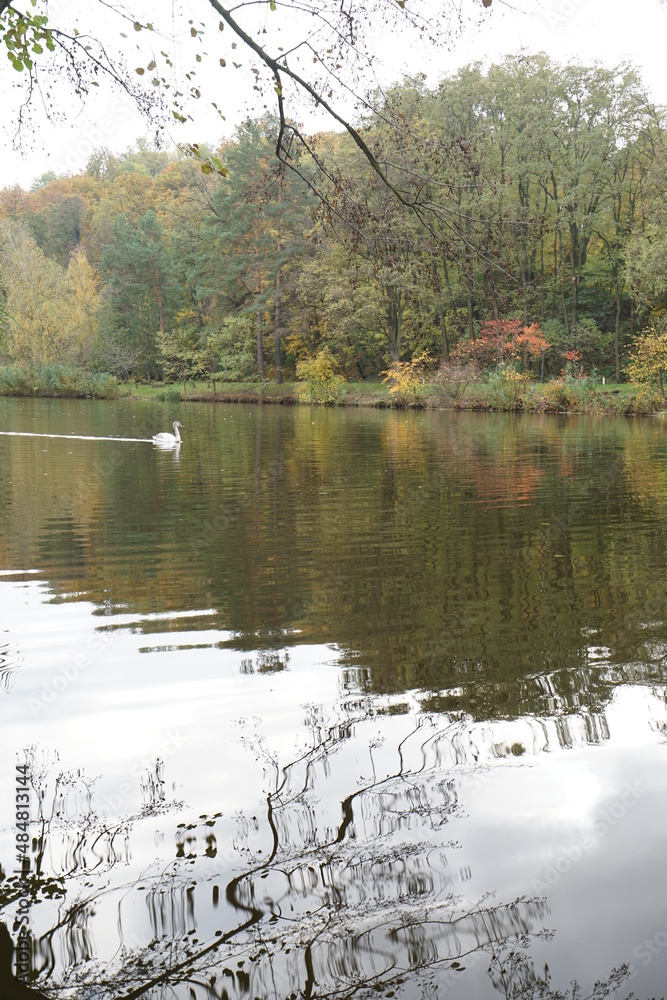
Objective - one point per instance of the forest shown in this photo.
(521, 225)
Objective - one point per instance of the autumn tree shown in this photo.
(51, 311)
(648, 362)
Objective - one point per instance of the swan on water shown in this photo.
(166, 440)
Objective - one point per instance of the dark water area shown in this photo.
(331, 703)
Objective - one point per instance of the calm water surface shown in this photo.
(333, 704)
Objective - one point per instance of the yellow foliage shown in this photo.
(648, 362)
(322, 383)
(51, 312)
(406, 378)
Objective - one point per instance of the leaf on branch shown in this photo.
(179, 117)
(223, 62)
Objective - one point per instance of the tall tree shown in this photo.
(141, 287)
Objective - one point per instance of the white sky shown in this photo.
(567, 30)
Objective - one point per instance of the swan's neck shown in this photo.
(176, 434)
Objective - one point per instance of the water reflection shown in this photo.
(345, 881)
(332, 692)
(335, 897)
(432, 550)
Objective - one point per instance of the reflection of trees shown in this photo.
(513, 975)
(450, 553)
(10, 659)
(343, 885)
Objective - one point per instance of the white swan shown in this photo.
(166, 440)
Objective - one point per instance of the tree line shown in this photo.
(528, 191)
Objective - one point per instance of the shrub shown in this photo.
(63, 381)
(407, 378)
(233, 348)
(648, 362)
(169, 396)
(503, 341)
(644, 402)
(507, 386)
(595, 348)
(455, 379)
(321, 381)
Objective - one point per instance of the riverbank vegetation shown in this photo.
(536, 272)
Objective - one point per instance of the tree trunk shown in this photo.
(277, 319)
(159, 299)
(451, 294)
(441, 313)
(260, 343)
(395, 305)
(617, 325)
(562, 286)
(258, 309)
(277, 330)
(574, 271)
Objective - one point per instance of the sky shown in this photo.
(567, 30)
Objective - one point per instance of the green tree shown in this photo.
(255, 223)
(141, 287)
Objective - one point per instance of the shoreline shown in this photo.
(629, 400)
(621, 400)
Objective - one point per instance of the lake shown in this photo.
(332, 703)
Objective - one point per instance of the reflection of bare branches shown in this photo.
(513, 975)
(10, 659)
(345, 888)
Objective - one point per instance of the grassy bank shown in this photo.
(57, 381)
(355, 394)
(551, 397)
(615, 399)
(492, 393)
